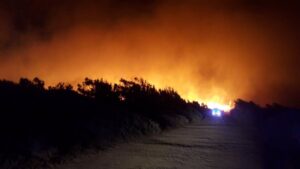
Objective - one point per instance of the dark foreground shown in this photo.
(41, 126)
(213, 143)
(46, 127)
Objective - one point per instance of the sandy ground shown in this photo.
(209, 144)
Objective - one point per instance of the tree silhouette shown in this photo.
(36, 119)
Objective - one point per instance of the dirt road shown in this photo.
(209, 144)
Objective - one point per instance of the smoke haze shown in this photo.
(206, 50)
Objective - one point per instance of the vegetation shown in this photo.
(278, 130)
(41, 125)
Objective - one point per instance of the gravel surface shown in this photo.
(213, 143)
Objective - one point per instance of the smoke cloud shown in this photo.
(206, 50)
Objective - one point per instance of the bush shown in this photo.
(36, 120)
(278, 130)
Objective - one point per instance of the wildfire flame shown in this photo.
(224, 107)
(217, 103)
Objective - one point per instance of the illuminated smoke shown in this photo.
(209, 52)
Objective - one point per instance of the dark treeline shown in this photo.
(35, 120)
(278, 131)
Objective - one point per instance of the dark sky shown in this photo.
(216, 50)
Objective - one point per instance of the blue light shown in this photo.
(216, 112)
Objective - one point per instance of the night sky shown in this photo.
(207, 50)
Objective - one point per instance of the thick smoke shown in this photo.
(207, 50)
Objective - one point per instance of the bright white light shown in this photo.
(223, 107)
(216, 112)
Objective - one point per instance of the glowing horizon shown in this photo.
(213, 52)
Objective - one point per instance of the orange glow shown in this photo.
(208, 52)
(220, 106)
(217, 103)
